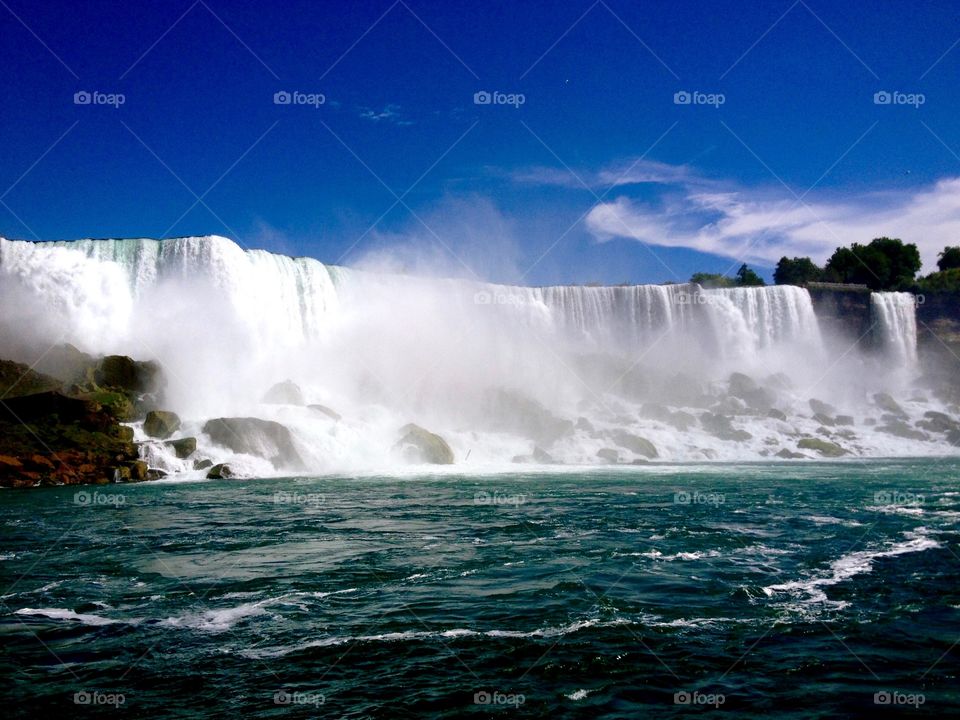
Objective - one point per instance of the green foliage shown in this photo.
(798, 271)
(712, 280)
(944, 280)
(884, 264)
(949, 258)
(748, 278)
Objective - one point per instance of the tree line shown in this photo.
(883, 264)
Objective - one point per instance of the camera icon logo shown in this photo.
(282, 697)
(482, 98)
(882, 98)
(282, 97)
(682, 98)
(82, 97)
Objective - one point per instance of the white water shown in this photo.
(384, 350)
(896, 318)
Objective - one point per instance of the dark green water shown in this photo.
(756, 590)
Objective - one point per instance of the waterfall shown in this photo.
(895, 315)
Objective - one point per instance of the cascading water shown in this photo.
(895, 315)
(572, 368)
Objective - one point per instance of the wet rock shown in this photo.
(161, 424)
(253, 436)
(18, 380)
(745, 388)
(790, 454)
(421, 445)
(824, 447)
(900, 429)
(843, 420)
(824, 419)
(634, 443)
(937, 422)
(818, 406)
(539, 456)
(202, 464)
(722, 427)
(510, 412)
(156, 474)
(885, 402)
(284, 393)
(184, 447)
(125, 373)
(776, 414)
(609, 455)
(584, 424)
(220, 472)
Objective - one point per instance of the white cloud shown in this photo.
(760, 226)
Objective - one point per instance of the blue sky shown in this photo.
(598, 176)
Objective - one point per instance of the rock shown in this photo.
(869, 421)
(220, 472)
(539, 456)
(824, 447)
(824, 419)
(635, 443)
(900, 429)
(124, 433)
(119, 404)
(821, 408)
(790, 454)
(184, 447)
(120, 371)
(937, 422)
(69, 365)
(421, 445)
(721, 427)
(780, 381)
(18, 380)
(744, 387)
(953, 437)
(843, 419)
(731, 406)
(682, 420)
(161, 424)
(609, 454)
(134, 471)
(584, 424)
(886, 402)
(202, 464)
(776, 414)
(156, 474)
(332, 414)
(510, 412)
(253, 436)
(284, 393)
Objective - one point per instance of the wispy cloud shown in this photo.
(676, 206)
(389, 114)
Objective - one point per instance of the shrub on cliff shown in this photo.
(796, 271)
(884, 264)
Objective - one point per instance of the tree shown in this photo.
(884, 264)
(712, 280)
(748, 278)
(798, 271)
(949, 258)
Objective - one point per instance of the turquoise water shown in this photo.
(798, 590)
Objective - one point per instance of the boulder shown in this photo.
(821, 408)
(584, 424)
(184, 447)
(253, 436)
(745, 388)
(937, 422)
(18, 380)
(776, 414)
(125, 373)
(156, 474)
(721, 427)
(539, 456)
(790, 454)
(824, 419)
(900, 429)
(421, 445)
(843, 419)
(511, 412)
(202, 464)
(634, 443)
(161, 424)
(220, 472)
(609, 455)
(284, 393)
(332, 414)
(824, 447)
(885, 402)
